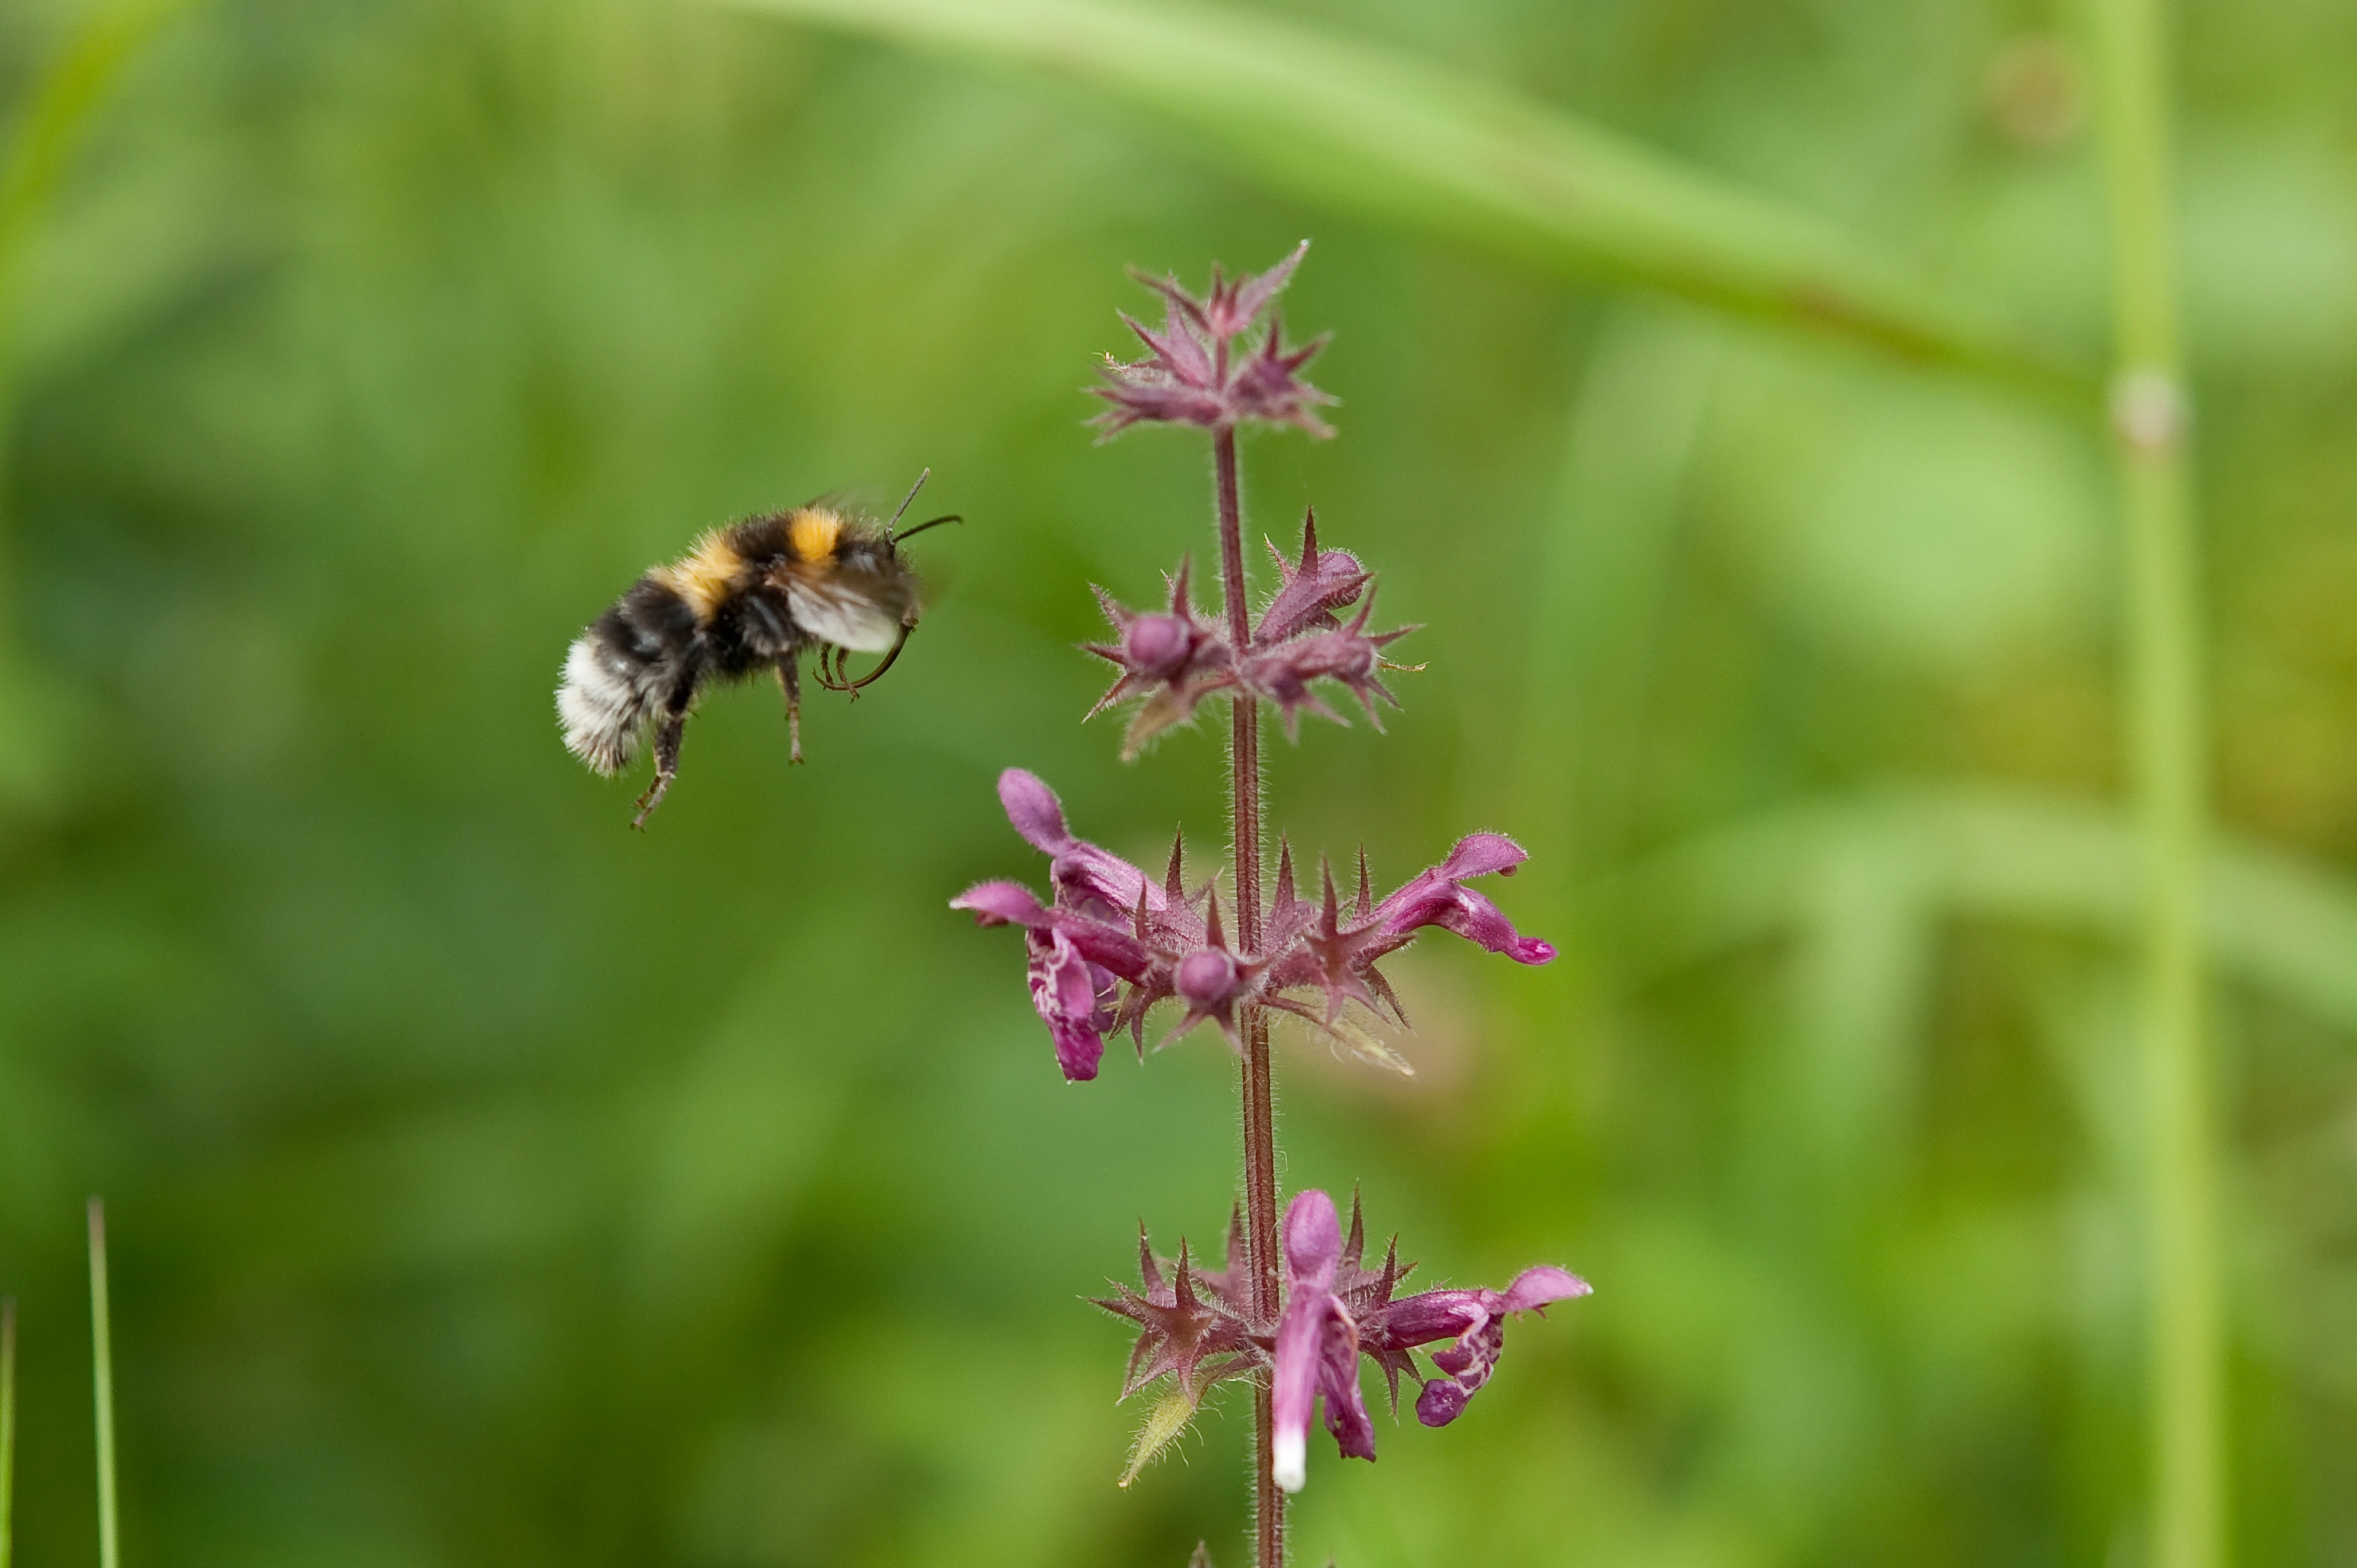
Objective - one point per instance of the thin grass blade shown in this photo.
(1371, 131)
(101, 1377)
(7, 1430)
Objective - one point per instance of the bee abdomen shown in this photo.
(623, 668)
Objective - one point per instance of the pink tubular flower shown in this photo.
(1476, 1319)
(1337, 1310)
(1112, 926)
(1197, 1326)
(1089, 880)
(1320, 948)
(1438, 898)
(1073, 963)
(1316, 1346)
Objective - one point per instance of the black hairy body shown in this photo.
(749, 598)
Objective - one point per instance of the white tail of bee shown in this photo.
(603, 702)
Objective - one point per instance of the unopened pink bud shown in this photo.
(1158, 645)
(1206, 977)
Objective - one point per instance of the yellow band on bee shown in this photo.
(705, 578)
(812, 533)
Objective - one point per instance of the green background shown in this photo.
(489, 1185)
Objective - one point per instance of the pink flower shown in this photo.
(1476, 1319)
(1316, 1346)
(1112, 926)
(1198, 1325)
(1336, 1310)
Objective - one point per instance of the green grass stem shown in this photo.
(2167, 745)
(102, 1377)
(7, 1430)
(1371, 130)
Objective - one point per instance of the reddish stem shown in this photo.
(1259, 1117)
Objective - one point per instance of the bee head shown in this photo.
(892, 540)
(874, 571)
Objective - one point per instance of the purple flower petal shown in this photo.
(1316, 1346)
(1478, 855)
(1293, 1386)
(1002, 903)
(1064, 990)
(1338, 1380)
(1313, 1241)
(1093, 881)
(1473, 917)
(1034, 809)
(1108, 947)
(1535, 1287)
(1088, 880)
(1441, 1402)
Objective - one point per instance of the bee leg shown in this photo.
(790, 682)
(667, 739)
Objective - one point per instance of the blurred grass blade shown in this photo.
(2269, 921)
(1374, 131)
(39, 144)
(2167, 748)
(1602, 586)
(37, 147)
(42, 138)
(7, 1430)
(102, 1379)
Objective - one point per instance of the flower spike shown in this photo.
(1294, 1306)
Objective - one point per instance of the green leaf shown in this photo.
(1376, 132)
(1164, 1424)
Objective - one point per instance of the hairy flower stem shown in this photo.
(1259, 1116)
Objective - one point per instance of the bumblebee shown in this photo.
(750, 597)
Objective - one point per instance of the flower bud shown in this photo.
(1158, 646)
(1207, 977)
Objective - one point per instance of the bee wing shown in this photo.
(836, 611)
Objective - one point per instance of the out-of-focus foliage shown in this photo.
(491, 1185)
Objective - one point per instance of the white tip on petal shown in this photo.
(1289, 1459)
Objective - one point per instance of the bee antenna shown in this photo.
(930, 522)
(921, 477)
